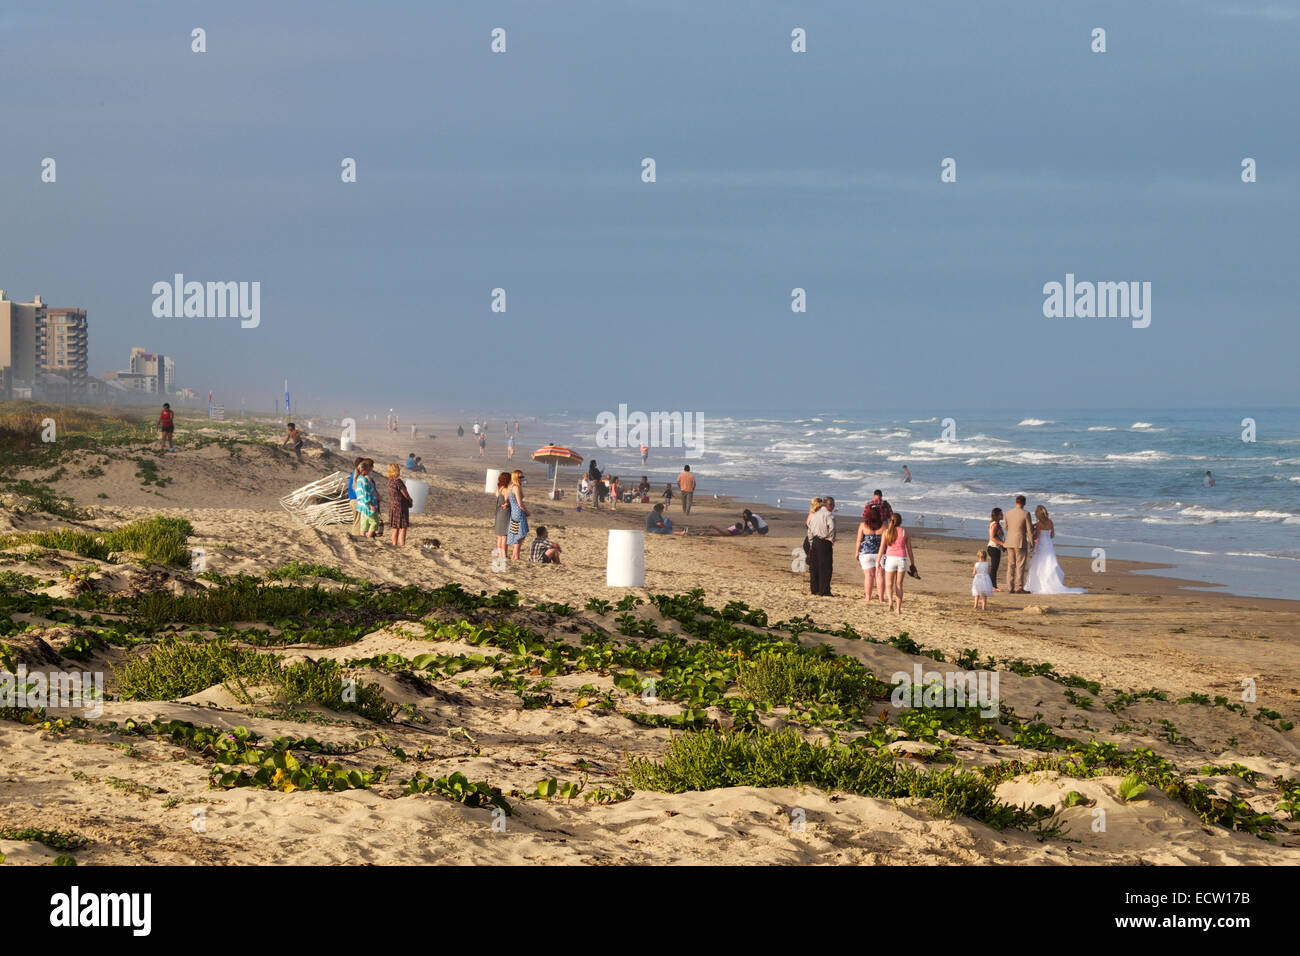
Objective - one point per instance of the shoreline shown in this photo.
(1142, 577)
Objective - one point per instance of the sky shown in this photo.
(775, 170)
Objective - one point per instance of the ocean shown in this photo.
(1127, 481)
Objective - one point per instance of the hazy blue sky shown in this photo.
(775, 170)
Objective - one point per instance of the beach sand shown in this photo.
(1131, 632)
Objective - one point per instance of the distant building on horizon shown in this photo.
(63, 347)
(161, 367)
(18, 349)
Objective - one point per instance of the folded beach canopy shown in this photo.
(322, 502)
(559, 456)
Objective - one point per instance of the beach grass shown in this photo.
(158, 540)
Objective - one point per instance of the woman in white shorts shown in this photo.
(895, 558)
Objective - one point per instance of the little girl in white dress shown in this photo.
(981, 585)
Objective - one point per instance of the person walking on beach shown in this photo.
(1019, 542)
(821, 553)
(645, 451)
(615, 489)
(1208, 481)
(518, 513)
(686, 485)
(877, 511)
(295, 437)
(668, 495)
(995, 548)
(907, 475)
(166, 428)
(981, 585)
(593, 476)
(867, 547)
(895, 559)
(352, 495)
(367, 500)
(510, 446)
(501, 520)
(460, 431)
(482, 444)
(399, 505)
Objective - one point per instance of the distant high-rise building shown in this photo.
(19, 322)
(161, 367)
(62, 346)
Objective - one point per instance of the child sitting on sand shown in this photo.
(981, 585)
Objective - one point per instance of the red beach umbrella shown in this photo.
(559, 456)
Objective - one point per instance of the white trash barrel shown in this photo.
(490, 482)
(625, 559)
(345, 443)
(419, 492)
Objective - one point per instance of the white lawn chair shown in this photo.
(322, 502)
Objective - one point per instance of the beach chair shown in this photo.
(322, 502)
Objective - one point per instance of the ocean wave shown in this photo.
(1263, 514)
(1100, 428)
(949, 447)
(921, 421)
(1033, 423)
(1146, 455)
(1144, 427)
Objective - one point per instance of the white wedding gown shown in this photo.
(1045, 573)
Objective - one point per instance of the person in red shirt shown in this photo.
(166, 428)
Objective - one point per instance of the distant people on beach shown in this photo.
(686, 485)
(399, 505)
(981, 585)
(544, 550)
(877, 511)
(510, 447)
(1019, 542)
(896, 560)
(482, 444)
(501, 512)
(867, 547)
(656, 522)
(593, 476)
(645, 451)
(1208, 481)
(460, 431)
(352, 494)
(410, 461)
(907, 475)
(994, 546)
(614, 490)
(367, 499)
(821, 542)
(754, 524)
(518, 513)
(419, 464)
(293, 437)
(643, 488)
(1046, 576)
(668, 495)
(166, 428)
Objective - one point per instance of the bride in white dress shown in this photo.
(1045, 573)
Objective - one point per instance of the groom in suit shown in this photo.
(1019, 544)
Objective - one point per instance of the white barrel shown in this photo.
(625, 559)
(490, 482)
(419, 492)
(345, 443)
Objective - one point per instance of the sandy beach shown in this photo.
(133, 798)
